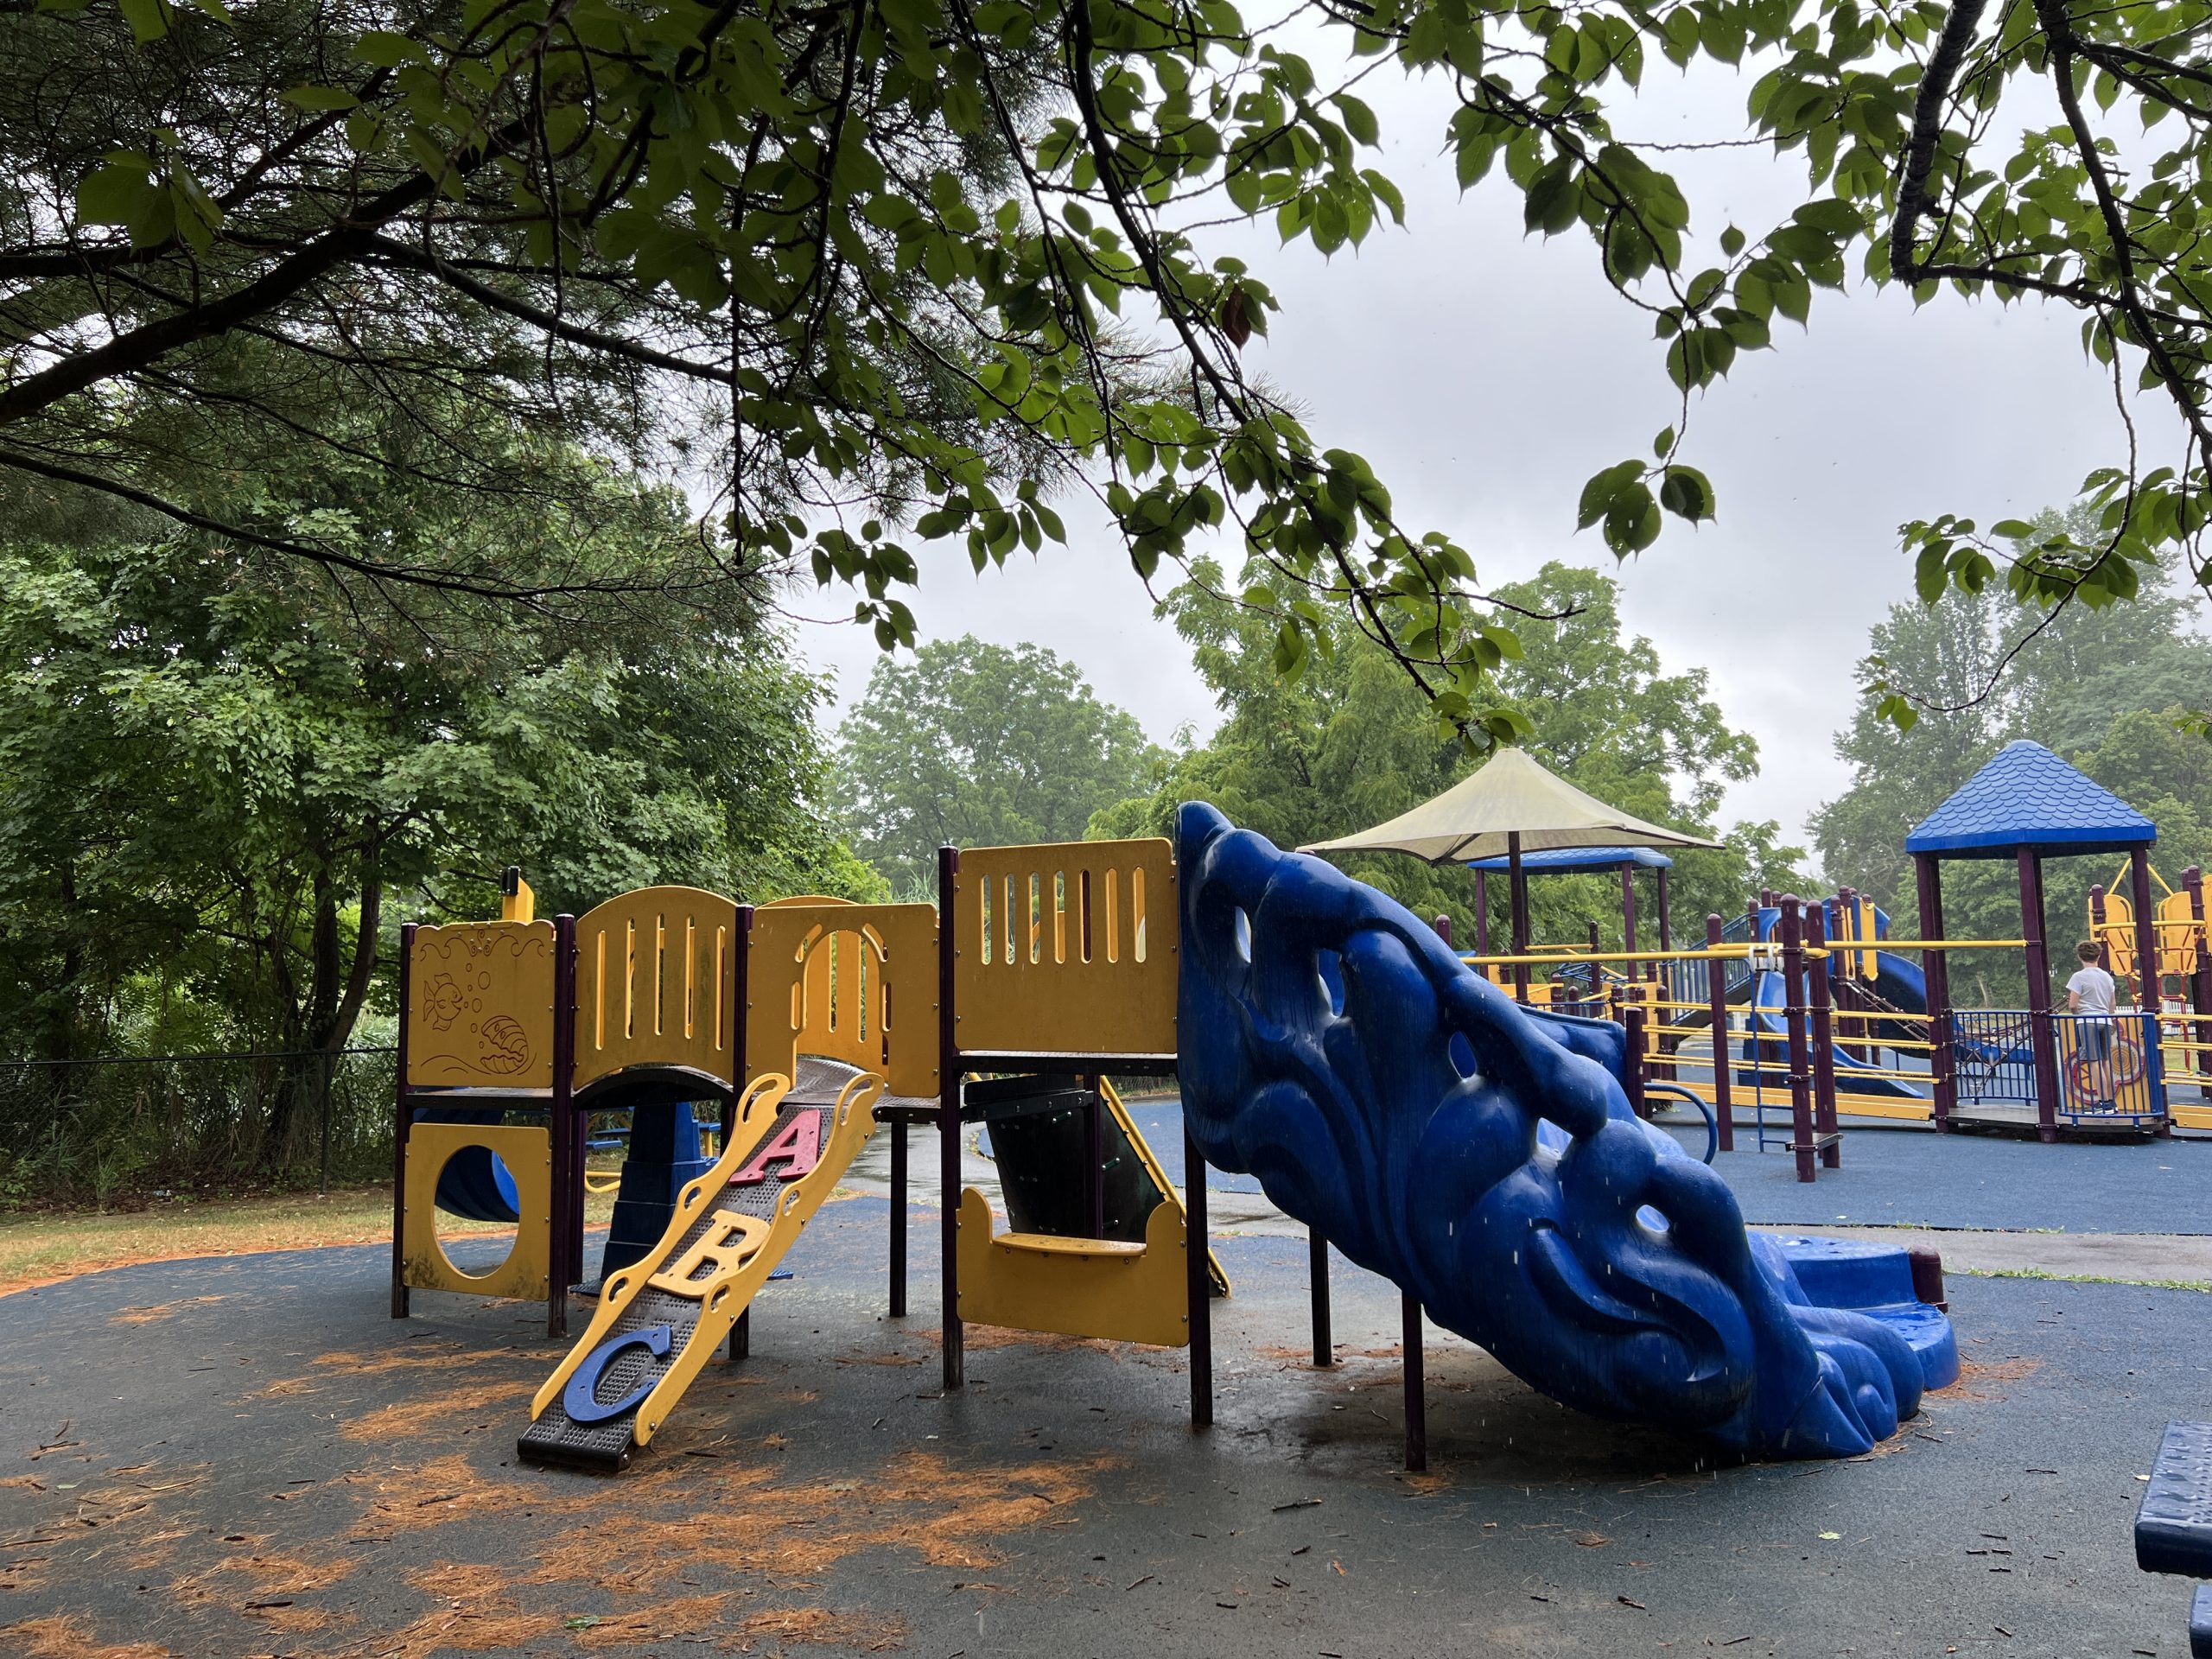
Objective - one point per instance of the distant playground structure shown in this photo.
(1486, 1157)
(1826, 1011)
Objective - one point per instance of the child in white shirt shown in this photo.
(2092, 995)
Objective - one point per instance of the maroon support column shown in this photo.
(2199, 976)
(2147, 931)
(2041, 1039)
(1935, 966)
(1823, 1036)
(1716, 998)
(2146, 953)
(1517, 885)
(1793, 1003)
(1632, 1067)
(402, 1123)
(566, 1127)
(948, 1118)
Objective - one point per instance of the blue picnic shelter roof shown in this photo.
(2027, 796)
(1559, 860)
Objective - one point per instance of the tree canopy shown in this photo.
(896, 268)
(2108, 690)
(220, 794)
(977, 745)
(1351, 744)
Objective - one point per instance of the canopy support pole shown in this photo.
(1517, 882)
(2040, 1036)
(1935, 966)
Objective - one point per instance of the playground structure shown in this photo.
(1823, 1013)
(1283, 996)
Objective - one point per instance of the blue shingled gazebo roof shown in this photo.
(1560, 860)
(2027, 796)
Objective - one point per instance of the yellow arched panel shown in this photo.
(480, 1006)
(2180, 932)
(654, 972)
(851, 983)
(1067, 948)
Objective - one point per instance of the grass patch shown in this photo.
(39, 1250)
(2078, 1278)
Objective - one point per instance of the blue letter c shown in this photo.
(580, 1399)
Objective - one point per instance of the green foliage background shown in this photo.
(223, 786)
(1350, 743)
(2107, 689)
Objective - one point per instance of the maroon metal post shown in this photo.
(565, 1126)
(1632, 1062)
(2199, 976)
(1716, 1000)
(740, 1061)
(1518, 890)
(1197, 1281)
(1793, 1004)
(403, 1123)
(1416, 1387)
(2151, 984)
(2041, 1037)
(1942, 1080)
(1823, 1035)
(2146, 950)
(1317, 1253)
(950, 942)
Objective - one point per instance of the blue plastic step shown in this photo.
(1875, 1280)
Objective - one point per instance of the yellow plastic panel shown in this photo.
(851, 983)
(2178, 934)
(1076, 1286)
(1066, 948)
(653, 974)
(527, 1150)
(480, 1006)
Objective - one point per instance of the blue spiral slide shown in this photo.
(1483, 1157)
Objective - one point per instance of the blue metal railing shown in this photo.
(2106, 1067)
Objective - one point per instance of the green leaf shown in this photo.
(149, 19)
(1686, 493)
(383, 50)
(317, 98)
(1359, 120)
(1631, 520)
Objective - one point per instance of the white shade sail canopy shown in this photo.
(1511, 800)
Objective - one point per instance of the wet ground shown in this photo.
(247, 1457)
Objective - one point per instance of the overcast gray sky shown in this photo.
(1486, 376)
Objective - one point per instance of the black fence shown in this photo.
(88, 1129)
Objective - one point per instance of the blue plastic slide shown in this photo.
(1392, 1099)
(1853, 1076)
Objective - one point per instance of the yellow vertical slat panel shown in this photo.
(851, 983)
(653, 982)
(1067, 948)
(480, 1006)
